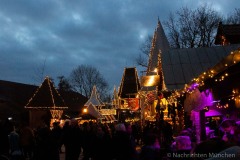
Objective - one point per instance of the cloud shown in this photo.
(61, 35)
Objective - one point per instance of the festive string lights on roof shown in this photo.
(46, 97)
(130, 84)
(218, 73)
(219, 106)
(235, 95)
(230, 60)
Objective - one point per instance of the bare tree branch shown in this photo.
(84, 77)
(145, 47)
(234, 18)
(189, 28)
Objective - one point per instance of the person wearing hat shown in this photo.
(230, 132)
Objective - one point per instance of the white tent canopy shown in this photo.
(93, 103)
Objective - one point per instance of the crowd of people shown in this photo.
(113, 141)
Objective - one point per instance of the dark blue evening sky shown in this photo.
(59, 35)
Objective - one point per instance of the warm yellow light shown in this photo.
(85, 110)
(152, 80)
(156, 70)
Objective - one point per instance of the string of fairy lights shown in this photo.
(146, 95)
(236, 96)
(53, 101)
(149, 69)
(56, 111)
(213, 73)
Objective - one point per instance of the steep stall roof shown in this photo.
(181, 66)
(130, 84)
(94, 102)
(46, 97)
(94, 99)
(159, 44)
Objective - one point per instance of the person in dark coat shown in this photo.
(55, 138)
(14, 143)
(5, 129)
(122, 144)
(41, 151)
(230, 131)
(151, 148)
(27, 141)
(101, 147)
(88, 140)
(72, 140)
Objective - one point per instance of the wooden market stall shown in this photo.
(46, 105)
